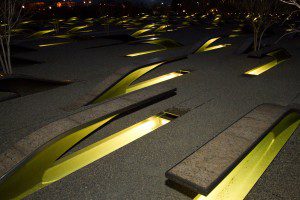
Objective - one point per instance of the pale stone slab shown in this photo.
(26, 146)
(206, 167)
(118, 75)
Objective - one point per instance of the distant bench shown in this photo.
(24, 148)
(203, 170)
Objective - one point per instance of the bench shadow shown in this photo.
(182, 189)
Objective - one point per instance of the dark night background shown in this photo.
(134, 1)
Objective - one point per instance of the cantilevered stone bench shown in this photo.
(26, 146)
(114, 78)
(265, 51)
(203, 170)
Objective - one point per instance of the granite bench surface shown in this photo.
(204, 169)
(18, 152)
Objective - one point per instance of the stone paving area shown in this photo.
(215, 92)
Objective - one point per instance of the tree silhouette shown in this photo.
(10, 13)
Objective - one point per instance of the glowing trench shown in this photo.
(53, 44)
(42, 33)
(156, 80)
(125, 85)
(77, 28)
(279, 57)
(139, 32)
(67, 36)
(149, 35)
(161, 28)
(207, 47)
(233, 35)
(238, 183)
(46, 166)
(149, 26)
(145, 52)
(163, 42)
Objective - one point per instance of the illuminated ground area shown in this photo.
(215, 90)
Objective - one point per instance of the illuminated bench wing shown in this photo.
(228, 166)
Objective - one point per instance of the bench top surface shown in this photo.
(206, 167)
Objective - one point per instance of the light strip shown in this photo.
(41, 33)
(206, 47)
(86, 31)
(277, 55)
(144, 53)
(140, 32)
(130, 28)
(73, 19)
(124, 86)
(261, 69)
(149, 26)
(237, 30)
(161, 28)
(46, 166)
(53, 44)
(238, 183)
(87, 155)
(166, 43)
(63, 36)
(149, 35)
(18, 30)
(77, 28)
(233, 35)
(29, 176)
(26, 22)
(216, 47)
(154, 81)
(120, 87)
(211, 28)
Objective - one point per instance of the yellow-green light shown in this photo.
(207, 47)
(154, 81)
(238, 183)
(279, 57)
(46, 165)
(53, 44)
(144, 52)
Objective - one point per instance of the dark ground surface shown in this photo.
(216, 91)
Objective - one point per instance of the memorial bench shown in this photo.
(21, 150)
(204, 169)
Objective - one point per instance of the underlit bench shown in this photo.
(18, 152)
(204, 169)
